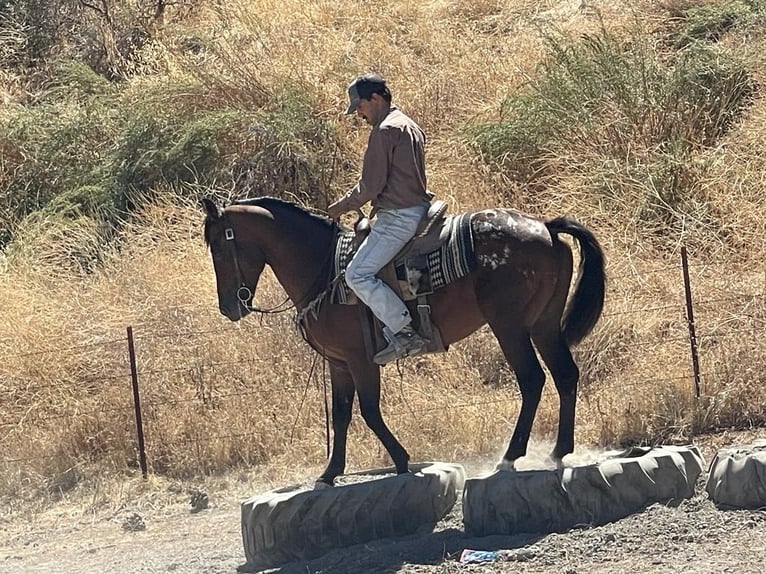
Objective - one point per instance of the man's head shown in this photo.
(369, 97)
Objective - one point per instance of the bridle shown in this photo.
(245, 295)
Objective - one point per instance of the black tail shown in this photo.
(586, 303)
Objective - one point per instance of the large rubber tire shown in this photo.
(294, 523)
(737, 477)
(557, 500)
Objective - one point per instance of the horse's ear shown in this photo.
(211, 208)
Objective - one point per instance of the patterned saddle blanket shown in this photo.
(417, 273)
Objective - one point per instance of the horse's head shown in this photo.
(237, 259)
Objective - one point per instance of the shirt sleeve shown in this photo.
(375, 168)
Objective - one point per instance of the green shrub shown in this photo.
(157, 149)
(599, 101)
(599, 92)
(289, 151)
(709, 22)
(56, 144)
(97, 149)
(594, 83)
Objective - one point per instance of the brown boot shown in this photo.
(404, 344)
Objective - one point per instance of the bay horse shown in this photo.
(520, 287)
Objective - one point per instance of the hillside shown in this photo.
(642, 120)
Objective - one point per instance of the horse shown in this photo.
(520, 287)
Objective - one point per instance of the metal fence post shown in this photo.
(690, 320)
(137, 403)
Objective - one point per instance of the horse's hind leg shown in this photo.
(342, 402)
(367, 379)
(555, 352)
(517, 348)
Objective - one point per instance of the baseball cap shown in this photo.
(362, 88)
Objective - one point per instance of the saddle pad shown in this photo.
(453, 259)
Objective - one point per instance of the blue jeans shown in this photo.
(390, 231)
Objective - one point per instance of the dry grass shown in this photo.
(219, 396)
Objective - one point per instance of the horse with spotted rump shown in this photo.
(519, 286)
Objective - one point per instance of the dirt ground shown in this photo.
(163, 534)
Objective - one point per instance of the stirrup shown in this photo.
(401, 345)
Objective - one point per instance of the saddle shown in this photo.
(408, 273)
(428, 237)
(415, 272)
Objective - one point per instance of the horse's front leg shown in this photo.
(342, 401)
(367, 378)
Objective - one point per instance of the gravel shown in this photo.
(695, 537)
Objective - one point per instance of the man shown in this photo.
(394, 182)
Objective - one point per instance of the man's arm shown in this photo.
(346, 203)
(377, 158)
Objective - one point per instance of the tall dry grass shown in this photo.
(219, 396)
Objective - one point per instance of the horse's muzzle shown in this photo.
(234, 310)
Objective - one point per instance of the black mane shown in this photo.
(271, 203)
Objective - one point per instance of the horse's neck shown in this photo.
(300, 258)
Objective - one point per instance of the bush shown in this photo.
(55, 145)
(600, 101)
(709, 22)
(602, 93)
(155, 149)
(106, 148)
(289, 151)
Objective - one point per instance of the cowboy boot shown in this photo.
(405, 343)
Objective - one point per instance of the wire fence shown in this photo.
(692, 329)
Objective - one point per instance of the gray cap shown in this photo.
(362, 88)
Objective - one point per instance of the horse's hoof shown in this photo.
(322, 485)
(506, 465)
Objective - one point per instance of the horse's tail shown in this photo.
(585, 305)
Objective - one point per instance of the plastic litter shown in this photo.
(469, 556)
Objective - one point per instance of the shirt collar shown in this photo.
(391, 108)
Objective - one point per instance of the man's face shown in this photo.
(371, 110)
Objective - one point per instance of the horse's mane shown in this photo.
(273, 204)
(276, 203)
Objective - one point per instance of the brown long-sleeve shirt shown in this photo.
(393, 169)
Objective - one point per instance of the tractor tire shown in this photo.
(544, 501)
(295, 523)
(737, 477)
